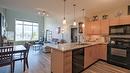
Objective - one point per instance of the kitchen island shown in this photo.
(73, 57)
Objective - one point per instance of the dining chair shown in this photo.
(27, 46)
(6, 57)
(22, 57)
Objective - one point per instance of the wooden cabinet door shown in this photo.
(90, 55)
(125, 20)
(88, 29)
(105, 27)
(103, 52)
(114, 21)
(61, 62)
(95, 52)
(95, 27)
(57, 61)
(68, 62)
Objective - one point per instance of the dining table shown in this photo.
(21, 49)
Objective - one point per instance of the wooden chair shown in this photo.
(21, 57)
(6, 57)
(27, 46)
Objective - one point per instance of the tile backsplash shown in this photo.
(96, 38)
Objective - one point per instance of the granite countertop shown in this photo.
(71, 46)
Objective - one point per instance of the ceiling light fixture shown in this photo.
(83, 25)
(47, 14)
(64, 20)
(42, 12)
(74, 23)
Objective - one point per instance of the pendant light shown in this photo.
(64, 20)
(83, 25)
(74, 23)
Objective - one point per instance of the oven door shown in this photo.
(117, 30)
(128, 29)
(118, 56)
(119, 52)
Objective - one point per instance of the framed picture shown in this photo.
(80, 27)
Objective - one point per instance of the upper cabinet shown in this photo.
(114, 21)
(92, 28)
(105, 27)
(88, 30)
(95, 27)
(120, 20)
(101, 27)
(124, 20)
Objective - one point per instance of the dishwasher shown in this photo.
(77, 60)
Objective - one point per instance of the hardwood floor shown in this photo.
(103, 67)
(38, 63)
(41, 63)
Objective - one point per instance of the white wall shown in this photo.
(52, 24)
(113, 13)
(11, 15)
(1, 10)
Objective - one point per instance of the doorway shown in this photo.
(73, 35)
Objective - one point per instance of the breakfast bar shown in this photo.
(63, 56)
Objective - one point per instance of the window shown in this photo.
(26, 31)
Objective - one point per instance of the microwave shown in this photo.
(119, 30)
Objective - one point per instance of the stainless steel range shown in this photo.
(119, 45)
(119, 51)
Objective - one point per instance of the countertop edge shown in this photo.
(85, 46)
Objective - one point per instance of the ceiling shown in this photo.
(55, 7)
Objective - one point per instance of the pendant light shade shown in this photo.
(64, 20)
(74, 23)
(83, 25)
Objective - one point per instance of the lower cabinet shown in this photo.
(61, 62)
(91, 55)
(103, 52)
(94, 53)
(68, 62)
(76, 60)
